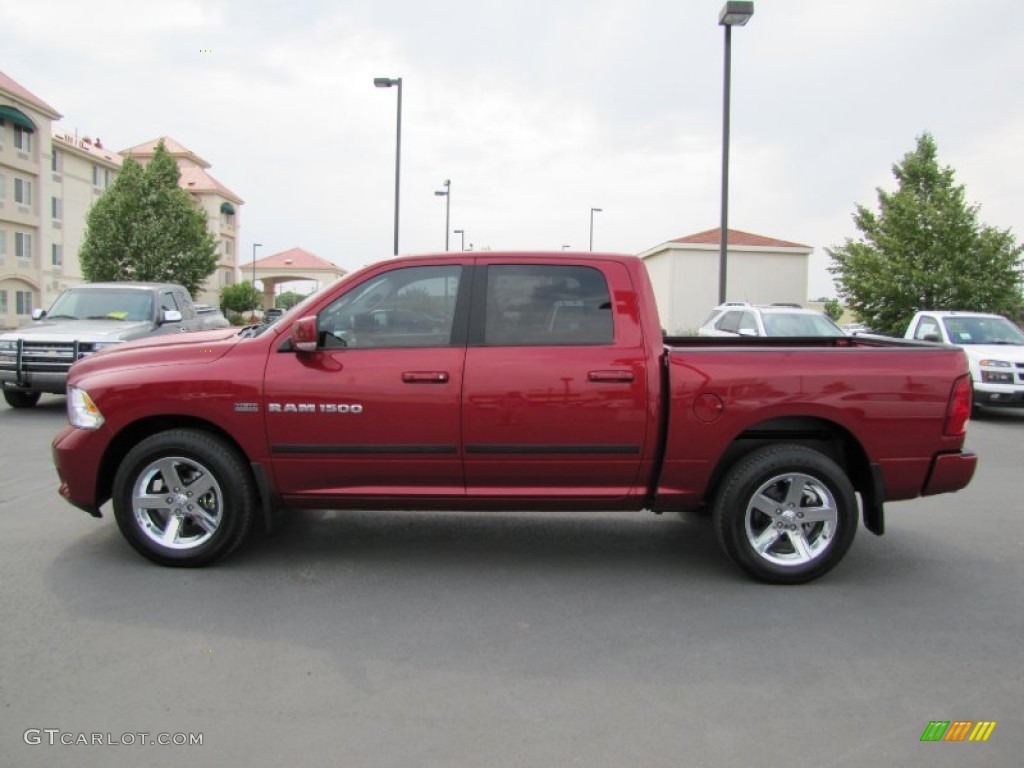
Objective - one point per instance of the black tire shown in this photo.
(183, 498)
(786, 514)
(20, 398)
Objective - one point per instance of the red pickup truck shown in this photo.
(511, 381)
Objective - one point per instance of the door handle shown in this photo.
(622, 377)
(425, 377)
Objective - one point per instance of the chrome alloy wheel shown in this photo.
(791, 519)
(177, 503)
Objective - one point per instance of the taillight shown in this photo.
(959, 410)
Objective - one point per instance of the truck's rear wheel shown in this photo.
(183, 498)
(786, 514)
(20, 398)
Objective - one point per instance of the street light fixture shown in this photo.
(462, 233)
(387, 82)
(592, 212)
(254, 247)
(446, 193)
(735, 13)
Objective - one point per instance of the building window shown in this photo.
(3, 303)
(3, 187)
(23, 245)
(95, 175)
(23, 301)
(57, 255)
(55, 161)
(57, 208)
(22, 139)
(22, 191)
(3, 246)
(106, 178)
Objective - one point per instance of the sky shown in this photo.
(539, 111)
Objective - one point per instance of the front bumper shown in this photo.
(77, 456)
(53, 383)
(1003, 396)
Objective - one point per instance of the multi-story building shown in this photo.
(49, 179)
(25, 186)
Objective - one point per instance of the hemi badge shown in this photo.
(247, 407)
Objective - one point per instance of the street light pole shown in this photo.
(387, 82)
(592, 212)
(446, 193)
(462, 232)
(254, 247)
(735, 13)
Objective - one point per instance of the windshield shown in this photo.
(799, 324)
(103, 304)
(982, 330)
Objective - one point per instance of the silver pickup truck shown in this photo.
(85, 318)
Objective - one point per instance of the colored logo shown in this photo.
(958, 730)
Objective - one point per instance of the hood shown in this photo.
(197, 347)
(79, 330)
(1011, 353)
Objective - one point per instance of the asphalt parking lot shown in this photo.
(434, 639)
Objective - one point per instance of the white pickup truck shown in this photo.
(84, 319)
(994, 347)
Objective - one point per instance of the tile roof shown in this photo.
(198, 180)
(20, 92)
(736, 237)
(148, 149)
(297, 258)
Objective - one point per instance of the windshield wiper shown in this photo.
(60, 317)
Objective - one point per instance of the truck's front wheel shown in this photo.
(183, 498)
(20, 398)
(786, 514)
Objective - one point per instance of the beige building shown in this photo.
(761, 270)
(49, 179)
(290, 266)
(26, 191)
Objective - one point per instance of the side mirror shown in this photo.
(931, 337)
(170, 316)
(747, 331)
(38, 314)
(304, 334)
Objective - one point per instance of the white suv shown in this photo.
(738, 318)
(994, 347)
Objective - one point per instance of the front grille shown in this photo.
(46, 356)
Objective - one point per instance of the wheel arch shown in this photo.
(132, 434)
(821, 434)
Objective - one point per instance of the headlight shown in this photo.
(8, 350)
(997, 377)
(995, 364)
(82, 411)
(97, 346)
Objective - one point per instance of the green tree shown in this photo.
(833, 308)
(240, 297)
(924, 249)
(288, 299)
(146, 227)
